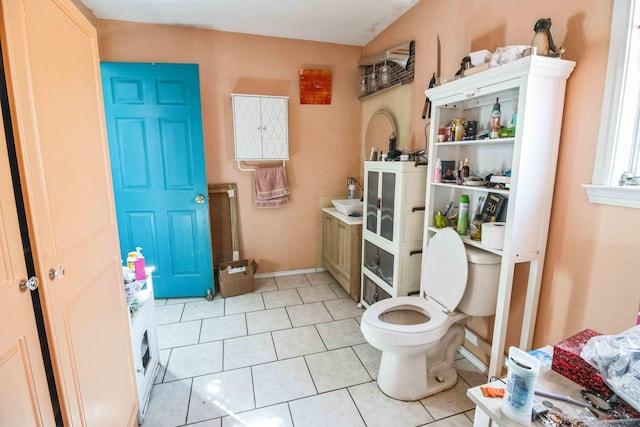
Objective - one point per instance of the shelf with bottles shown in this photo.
(484, 205)
(468, 188)
(473, 142)
(477, 114)
(469, 241)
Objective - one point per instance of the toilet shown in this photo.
(420, 335)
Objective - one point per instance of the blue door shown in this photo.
(154, 125)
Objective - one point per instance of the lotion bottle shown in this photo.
(139, 265)
(437, 171)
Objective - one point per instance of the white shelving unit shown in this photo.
(534, 87)
(393, 226)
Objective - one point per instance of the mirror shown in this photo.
(381, 126)
(223, 218)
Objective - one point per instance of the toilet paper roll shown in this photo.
(493, 234)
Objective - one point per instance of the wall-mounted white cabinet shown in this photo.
(260, 125)
(534, 87)
(393, 214)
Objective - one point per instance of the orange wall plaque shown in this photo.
(315, 86)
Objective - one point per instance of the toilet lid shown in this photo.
(445, 269)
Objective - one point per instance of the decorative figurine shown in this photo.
(543, 40)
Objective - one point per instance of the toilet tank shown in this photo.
(482, 284)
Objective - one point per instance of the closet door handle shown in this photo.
(58, 273)
(199, 199)
(31, 283)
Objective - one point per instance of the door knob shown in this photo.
(199, 199)
(58, 273)
(31, 283)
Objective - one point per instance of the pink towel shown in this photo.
(270, 188)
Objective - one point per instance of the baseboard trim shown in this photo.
(290, 272)
(481, 366)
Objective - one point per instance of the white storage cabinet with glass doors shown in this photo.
(393, 228)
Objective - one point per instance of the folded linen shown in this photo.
(270, 187)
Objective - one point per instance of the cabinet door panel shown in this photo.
(372, 201)
(247, 127)
(387, 205)
(379, 262)
(274, 128)
(372, 292)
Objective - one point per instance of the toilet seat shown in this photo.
(389, 334)
(445, 269)
(444, 281)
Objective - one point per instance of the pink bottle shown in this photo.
(138, 265)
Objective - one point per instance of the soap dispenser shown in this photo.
(139, 266)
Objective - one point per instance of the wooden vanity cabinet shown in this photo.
(341, 250)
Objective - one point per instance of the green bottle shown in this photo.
(463, 215)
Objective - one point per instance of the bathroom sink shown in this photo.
(349, 207)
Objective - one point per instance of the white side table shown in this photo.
(144, 342)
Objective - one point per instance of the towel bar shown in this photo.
(251, 169)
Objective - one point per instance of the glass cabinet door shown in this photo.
(388, 199)
(372, 201)
(372, 292)
(379, 262)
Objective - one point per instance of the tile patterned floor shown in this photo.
(289, 354)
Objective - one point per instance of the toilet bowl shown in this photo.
(419, 335)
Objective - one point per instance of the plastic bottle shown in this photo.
(460, 129)
(463, 215)
(437, 172)
(475, 229)
(352, 191)
(465, 169)
(522, 374)
(139, 265)
(495, 120)
(131, 260)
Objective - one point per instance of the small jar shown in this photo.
(131, 260)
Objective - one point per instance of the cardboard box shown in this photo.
(236, 277)
(568, 362)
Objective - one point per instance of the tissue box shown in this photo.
(568, 363)
(236, 277)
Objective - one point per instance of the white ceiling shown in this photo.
(353, 22)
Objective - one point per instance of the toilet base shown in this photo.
(411, 377)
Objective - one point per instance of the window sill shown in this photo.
(628, 196)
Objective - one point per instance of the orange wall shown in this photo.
(591, 270)
(324, 140)
(592, 249)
